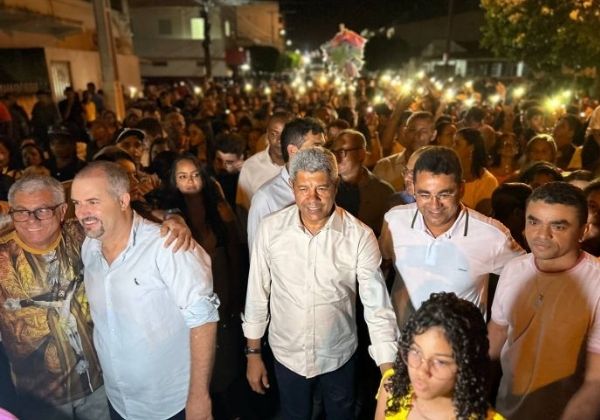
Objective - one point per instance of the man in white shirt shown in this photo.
(545, 326)
(275, 194)
(154, 311)
(437, 244)
(307, 261)
(264, 165)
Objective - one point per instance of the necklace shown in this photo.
(539, 299)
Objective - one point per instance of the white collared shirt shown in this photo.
(274, 195)
(304, 287)
(257, 170)
(458, 261)
(143, 306)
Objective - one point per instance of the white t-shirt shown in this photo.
(257, 170)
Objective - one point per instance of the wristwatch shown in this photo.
(248, 350)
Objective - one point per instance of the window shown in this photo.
(197, 28)
(164, 27)
(227, 28)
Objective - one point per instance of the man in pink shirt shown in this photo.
(545, 326)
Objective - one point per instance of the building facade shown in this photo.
(53, 44)
(169, 36)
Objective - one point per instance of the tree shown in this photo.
(545, 34)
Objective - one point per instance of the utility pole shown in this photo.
(113, 94)
(446, 58)
(205, 15)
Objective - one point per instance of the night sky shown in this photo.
(310, 23)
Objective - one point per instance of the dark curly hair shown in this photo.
(465, 330)
(210, 193)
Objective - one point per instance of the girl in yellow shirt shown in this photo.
(442, 367)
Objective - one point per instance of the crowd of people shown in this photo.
(239, 251)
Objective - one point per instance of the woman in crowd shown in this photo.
(32, 158)
(213, 226)
(541, 148)
(445, 131)
(505, 157)
(480, 183)
(442, 367)
(111, 121)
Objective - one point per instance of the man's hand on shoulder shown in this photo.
(177, 231)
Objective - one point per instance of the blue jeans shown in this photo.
(337, 390)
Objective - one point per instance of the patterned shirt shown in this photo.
(45, 320)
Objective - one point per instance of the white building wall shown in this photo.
(85, 67)
(175, 54)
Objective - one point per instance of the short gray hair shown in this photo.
(315, 159)
(118, 180)
(34, 183)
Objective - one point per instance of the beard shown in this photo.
(94, 231)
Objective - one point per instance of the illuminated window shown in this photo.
(227, 28)
(197, 28)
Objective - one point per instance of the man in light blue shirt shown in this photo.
(154, 311)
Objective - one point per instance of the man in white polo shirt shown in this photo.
(437, 244)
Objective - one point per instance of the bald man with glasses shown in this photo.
(360, 192)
